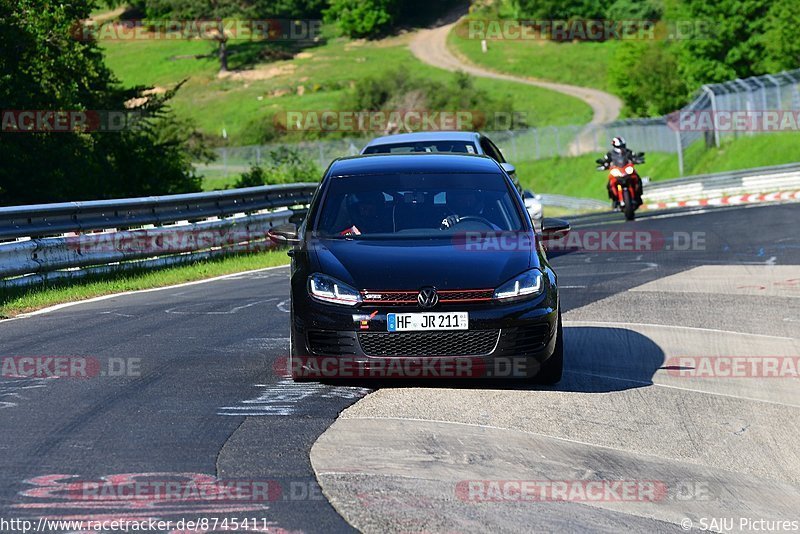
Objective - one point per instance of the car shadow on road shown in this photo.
(602, 359)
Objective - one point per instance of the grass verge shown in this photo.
(14, 301)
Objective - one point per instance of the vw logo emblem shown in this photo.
(428, 297)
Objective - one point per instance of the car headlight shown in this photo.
(528, 284)
(329, 289)
(629, 169)
(616, 173)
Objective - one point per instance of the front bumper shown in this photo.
(503, 340)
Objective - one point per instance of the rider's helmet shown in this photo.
(618, 144)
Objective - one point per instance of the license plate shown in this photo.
(403, 322)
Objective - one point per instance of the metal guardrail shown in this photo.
(47, 242)
(749, 181)
(53, 219)
(573, 203)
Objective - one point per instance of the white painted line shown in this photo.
(699, 329)
(176, 309)
(701, 391)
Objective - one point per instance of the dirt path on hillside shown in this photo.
(430, 46)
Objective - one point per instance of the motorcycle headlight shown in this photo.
(527, 285)
(329, 289)
(616, 173)
(629, 169)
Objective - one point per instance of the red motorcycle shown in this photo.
(624, 182)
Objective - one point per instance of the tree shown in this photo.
(362, 18)
(216, 10)
(643, 75)
(291, 9)
(558, 9)
(781, 45)
(45, 68)
(635, 10)
(734, 47)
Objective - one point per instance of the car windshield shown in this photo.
(461, 147)
(417, 205)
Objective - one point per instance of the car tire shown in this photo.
(552, 369)
(292, 344)
(630, 209)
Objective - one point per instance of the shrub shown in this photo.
(284, 165)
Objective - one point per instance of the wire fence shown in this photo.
(707, 120)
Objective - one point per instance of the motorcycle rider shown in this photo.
(619, 155)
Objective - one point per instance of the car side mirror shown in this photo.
(509, 168)
(284, 235)
(553, 228)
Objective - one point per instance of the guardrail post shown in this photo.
(777, 85)
(680, 151)
(713, 97)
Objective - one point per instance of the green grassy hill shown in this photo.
(584, 64)
(315, 79)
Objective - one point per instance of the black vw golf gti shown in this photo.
(421, 265)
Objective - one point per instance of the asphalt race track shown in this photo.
(186, 386)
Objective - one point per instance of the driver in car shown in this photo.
(367, 213)
(465, 204)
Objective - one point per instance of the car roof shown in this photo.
(424, 136)
(413, 164)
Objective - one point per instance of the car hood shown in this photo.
(412, 264)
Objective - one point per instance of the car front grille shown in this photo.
(458, 343)
(409, 298)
